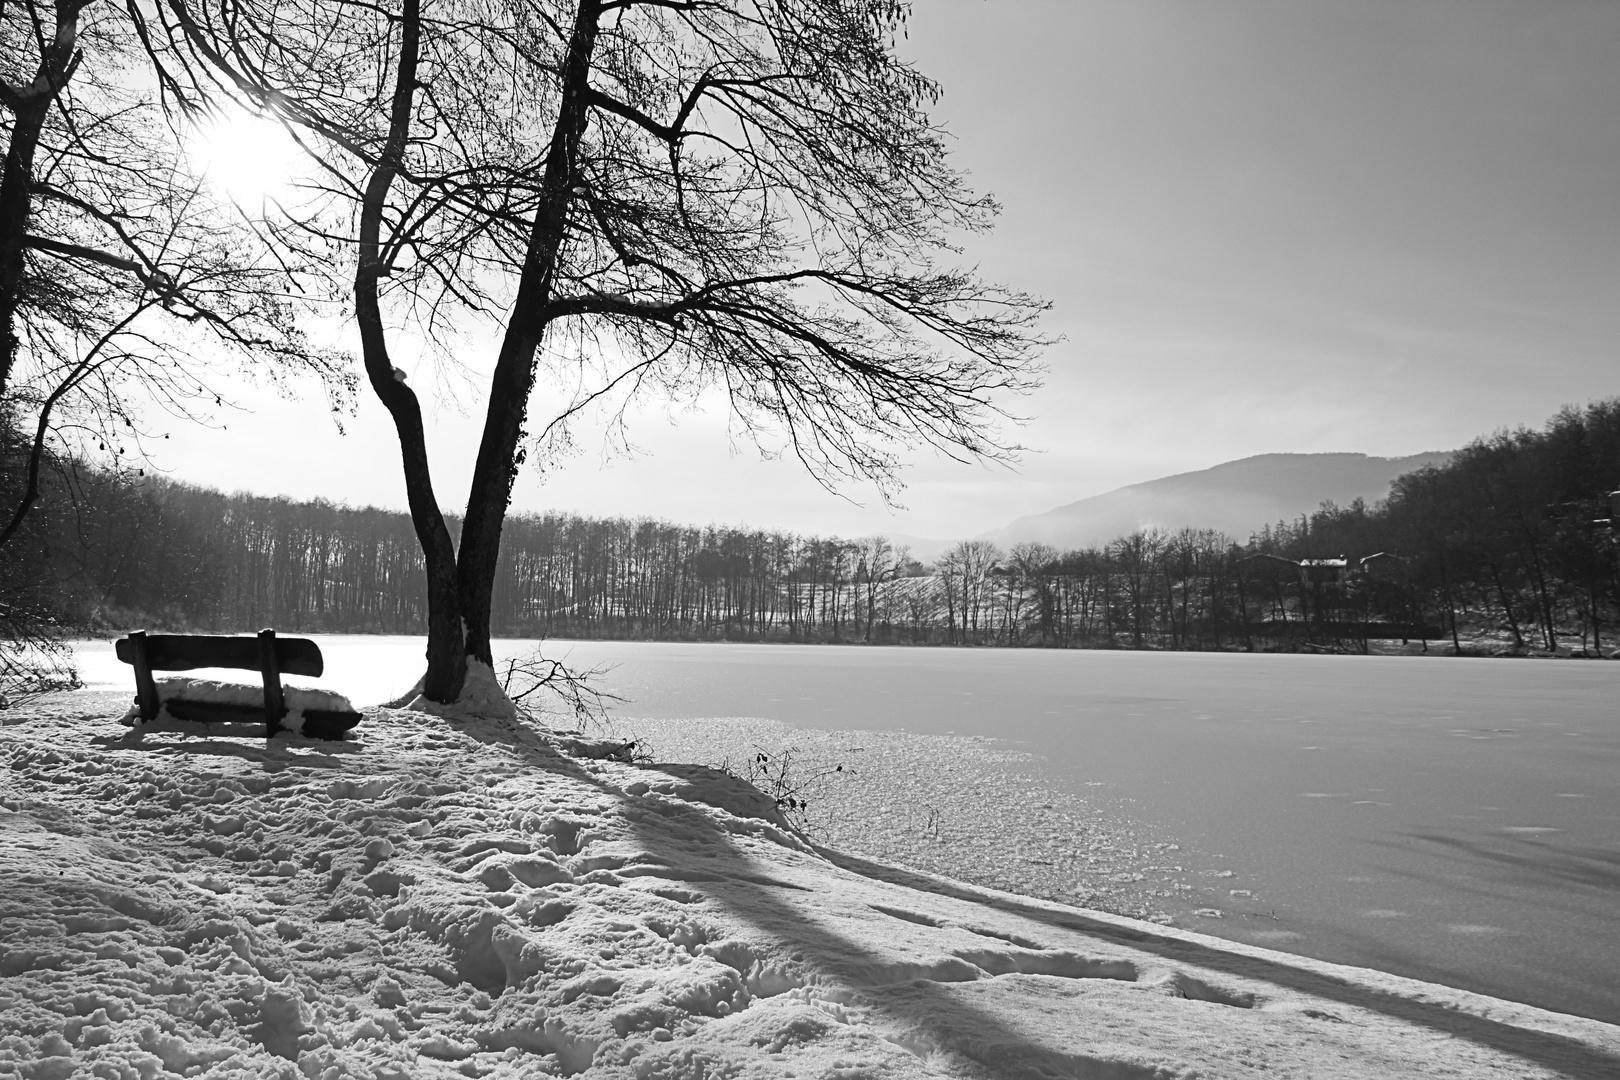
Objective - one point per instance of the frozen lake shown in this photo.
(1451, 820)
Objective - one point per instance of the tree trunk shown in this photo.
(496, 467)
(447, 664)
(16, 204)
(1539, 578)
(1451, 606)
(1507, 606)
(1597, 626)
(29, 105)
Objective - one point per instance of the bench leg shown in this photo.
(145, 686)
(274, 708)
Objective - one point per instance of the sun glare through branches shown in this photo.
(248, 159)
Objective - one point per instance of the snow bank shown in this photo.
(481, 698)
(298, 699)
(471, 899)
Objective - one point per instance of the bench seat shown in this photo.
(318, 714)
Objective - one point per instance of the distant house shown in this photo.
(1337, 572)
(1324, 571)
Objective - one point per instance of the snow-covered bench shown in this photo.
(320, 714)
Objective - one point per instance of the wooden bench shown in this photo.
(267, 654)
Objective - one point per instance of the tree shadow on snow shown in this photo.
(1565, 1055)
(762, 900)
(1550, 982)
(1535, 860)
(941, 1020)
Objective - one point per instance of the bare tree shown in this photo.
(878, 562)
(122, 273)
(1139, 558)
(658, 197)
(1034, 568)
(122, 277)
(964, 571)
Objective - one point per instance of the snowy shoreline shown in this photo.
(976, 809)
(477, 899)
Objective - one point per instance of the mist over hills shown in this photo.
(1236, 497)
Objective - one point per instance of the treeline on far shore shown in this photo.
(1508, 543)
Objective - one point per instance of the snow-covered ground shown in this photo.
(472, 897)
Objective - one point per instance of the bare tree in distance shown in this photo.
(964, 577)
(1138, 558)
(879, 562)
(656, 197)
(1034, 567)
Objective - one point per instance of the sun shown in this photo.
(247, 159)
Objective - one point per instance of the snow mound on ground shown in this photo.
(298, 699)
(481, 698)
(475, 900)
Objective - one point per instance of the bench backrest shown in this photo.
(182, 652)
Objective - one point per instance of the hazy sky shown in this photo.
(1383, 226)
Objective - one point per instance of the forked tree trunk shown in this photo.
(461, 585)
(497, 463)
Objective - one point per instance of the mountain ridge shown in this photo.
(1235, 497)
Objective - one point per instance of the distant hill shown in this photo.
(1237, 498)
(924, 549)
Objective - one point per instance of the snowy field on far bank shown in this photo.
(439, 897)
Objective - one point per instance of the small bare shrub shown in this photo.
(533, 679)
(788, 780)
